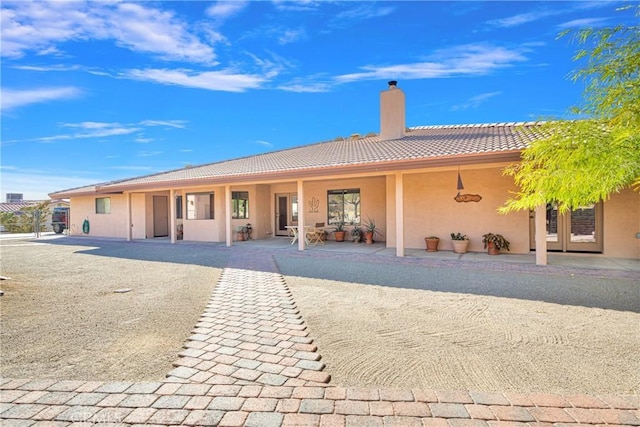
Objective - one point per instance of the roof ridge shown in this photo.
(477, 125)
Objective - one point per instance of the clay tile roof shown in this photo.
(421, 142)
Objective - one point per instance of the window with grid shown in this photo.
(343, 206)
(240, 204)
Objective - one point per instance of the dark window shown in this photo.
(343, 206)
(200, 206)
(240, 204)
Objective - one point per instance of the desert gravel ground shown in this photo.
(61, 319)
(376, 321)
(398, 326)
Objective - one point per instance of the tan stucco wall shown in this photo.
(372, 201)
(205, 230)
(430, 209)
(621, 223)
(101, 225)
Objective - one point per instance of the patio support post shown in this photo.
(172, 216)
(301, 242)
(129, 224)
(399, 214)
(541, 235)
(227, 214)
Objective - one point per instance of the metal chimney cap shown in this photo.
(393, 83)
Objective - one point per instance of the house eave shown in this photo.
(320, 172)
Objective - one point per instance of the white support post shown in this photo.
(399, 214)
(301, 236)
(129, 216)
(227, 214)
(541, 235)
(172, 215)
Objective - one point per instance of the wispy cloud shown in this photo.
(475, 101)
(465, 60)
(582, 23)
(365, 11)
(548, 11)
(42, 27)
(149, 153)
(264, 143)
(86, 130)
(226, 81)
(524, 18)
(180, 124)
(223, 10)
(12, 98)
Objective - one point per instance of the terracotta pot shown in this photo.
(240, 237)
(368, 237)
(491, 249)
(340, 235)
(432, 244)
(460, 246)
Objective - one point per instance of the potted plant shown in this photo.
(494, 243)
(432, 243)
(460, 242)
(370, 229)
(241, 230)
(339, 231)
(356, 234)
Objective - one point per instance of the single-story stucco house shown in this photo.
(405, 179)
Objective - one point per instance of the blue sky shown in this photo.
(97, 91)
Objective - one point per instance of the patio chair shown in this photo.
(315, 234)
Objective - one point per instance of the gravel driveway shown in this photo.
(62, 319)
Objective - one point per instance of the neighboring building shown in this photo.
(15, 204)
(406, 179)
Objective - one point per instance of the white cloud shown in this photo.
(40, 27)
(582, 23)
(524, 18)
(226, 81)
(223, 10)
(475, 101)
(265, 143)
(465, 60)
(12, 98)
(89, 125)
(290, 36)
(180, 124)
(365, 11)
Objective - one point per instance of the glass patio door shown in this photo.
(579, 230)
(286, 212)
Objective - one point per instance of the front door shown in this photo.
(579, 230)
(286, 212)
(160, 216)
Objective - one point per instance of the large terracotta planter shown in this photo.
(460, 246)
(340, 235)
(432, 244)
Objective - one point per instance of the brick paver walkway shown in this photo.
(250, 362)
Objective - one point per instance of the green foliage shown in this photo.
(459, 236)
(25, 221)
(581, 162)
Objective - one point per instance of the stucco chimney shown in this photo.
(392, 113)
